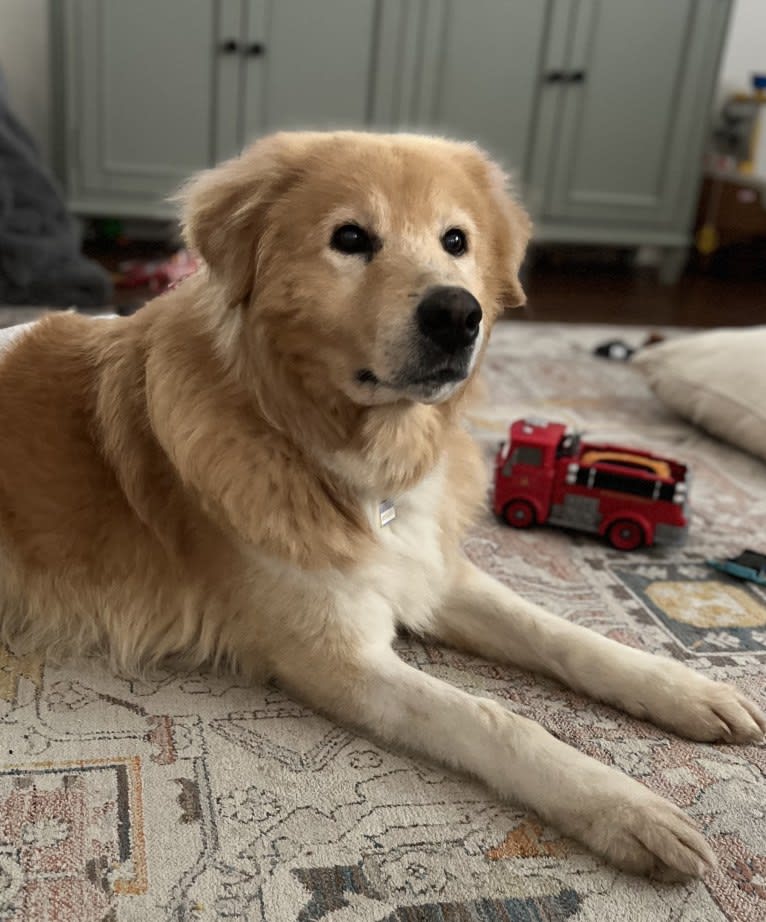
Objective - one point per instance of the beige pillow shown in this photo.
(715, 379)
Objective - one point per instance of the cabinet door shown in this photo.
(468, 70)
(625, 122)
(309, 64)
(140, 93)
(230, 71)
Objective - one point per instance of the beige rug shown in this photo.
(194, 800)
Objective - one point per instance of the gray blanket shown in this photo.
(40, 259)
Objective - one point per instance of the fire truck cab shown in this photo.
(547, 474)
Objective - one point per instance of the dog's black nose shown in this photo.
(450, 317)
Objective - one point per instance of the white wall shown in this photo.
(745, 49)
(24, 63)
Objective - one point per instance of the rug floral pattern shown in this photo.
(192, 799)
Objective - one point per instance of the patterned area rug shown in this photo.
(192, 799)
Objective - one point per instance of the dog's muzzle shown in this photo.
(441, 351)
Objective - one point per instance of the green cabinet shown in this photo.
(158, 89)
(470, 70)
(138, 96)
(618, 133)
(599, 107)
(314, 67)
(630, 126)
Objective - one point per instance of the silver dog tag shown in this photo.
(386, 512)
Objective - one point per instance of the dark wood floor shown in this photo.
(625, 295)
(619, 293)
(562, 287)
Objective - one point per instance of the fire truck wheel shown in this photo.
(625, 535)
(518, 513)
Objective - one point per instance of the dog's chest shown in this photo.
(409, 567)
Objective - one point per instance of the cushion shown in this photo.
(715, 379)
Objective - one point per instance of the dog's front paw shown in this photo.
(651, 836)
(718, 711)
(700, 709)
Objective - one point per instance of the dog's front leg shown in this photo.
(483, 616)
(371, 688)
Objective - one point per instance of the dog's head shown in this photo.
(372, 265)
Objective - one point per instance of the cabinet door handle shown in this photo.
(229, 46)
(576, 76)
(554, 76)
(256, 49)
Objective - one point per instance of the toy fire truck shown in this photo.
(546, 474)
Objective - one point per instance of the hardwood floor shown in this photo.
(624, 295)
(615, 292)
(612, 292)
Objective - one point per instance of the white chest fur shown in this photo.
(401, 582)
(409, 568)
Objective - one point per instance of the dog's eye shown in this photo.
(352, 239)
(454, 241)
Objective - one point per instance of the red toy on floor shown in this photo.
(157, 274)
(545, 474)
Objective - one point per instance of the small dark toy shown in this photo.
(749, 565)
(615, 349)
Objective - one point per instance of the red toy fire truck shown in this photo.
(544, 473)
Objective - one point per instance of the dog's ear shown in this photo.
(511, 227)
(514, 233)
(224, 211)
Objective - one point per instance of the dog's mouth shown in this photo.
(429, 387)
(365, 376)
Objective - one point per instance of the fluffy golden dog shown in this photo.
(210, 481)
